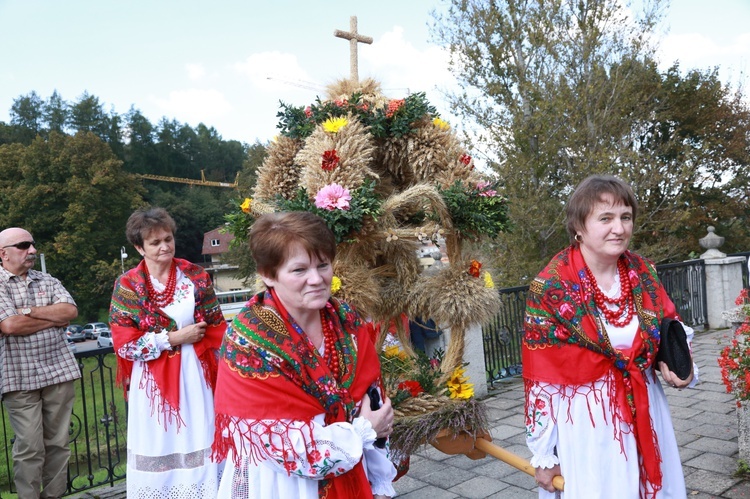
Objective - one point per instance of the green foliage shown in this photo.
(343, 223)
(475, 211)
(427, 373)
(299, 122)
(72, 195)
(743, 470)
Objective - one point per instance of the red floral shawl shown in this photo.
(269, 370)
(565, 343)
(132, 314)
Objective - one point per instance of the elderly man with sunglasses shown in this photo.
(37, 370)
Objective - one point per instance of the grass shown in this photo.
(103, 438)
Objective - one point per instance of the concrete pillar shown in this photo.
(723, 284)
(473, 354)
(743, 437)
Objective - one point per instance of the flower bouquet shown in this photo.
(429, 407)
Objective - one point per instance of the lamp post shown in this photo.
(123, 256)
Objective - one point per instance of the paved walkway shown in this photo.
(704, 419)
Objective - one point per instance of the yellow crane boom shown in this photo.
(202, 181)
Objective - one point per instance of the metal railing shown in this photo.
(745, 269)
(685, 283)
(502, 336)
(98, 428)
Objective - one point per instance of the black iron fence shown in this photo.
(98, 428)
(685, 282)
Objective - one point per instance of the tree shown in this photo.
(71, 193)
(561, 89)
(239, 254)
(26, 114)
(56, 113)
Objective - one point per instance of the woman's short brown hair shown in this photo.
(589, 193)
(144, 220)
(273, 235)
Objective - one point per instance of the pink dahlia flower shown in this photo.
(333, 197)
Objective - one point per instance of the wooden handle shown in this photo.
(516, 461)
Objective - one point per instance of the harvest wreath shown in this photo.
(387, 176)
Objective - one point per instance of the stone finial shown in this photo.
(711, 242)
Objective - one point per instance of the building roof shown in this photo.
(224, 240)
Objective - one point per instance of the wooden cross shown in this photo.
(353, 38)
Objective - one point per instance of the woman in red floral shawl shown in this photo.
(292, 412)
(595, 410)
(166, 329)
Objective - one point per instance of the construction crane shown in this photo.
(308, 85)
(202, 181)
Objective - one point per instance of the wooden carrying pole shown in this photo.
(516, 461)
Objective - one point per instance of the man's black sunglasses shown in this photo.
(23, 245)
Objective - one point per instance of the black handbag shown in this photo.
(674, 349)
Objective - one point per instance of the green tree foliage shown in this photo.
(71, 193)
(239, 254)
(561, 89)
(56, 113)
(26, 115)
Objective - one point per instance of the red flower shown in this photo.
(567, 311)
(540, 404)
(412, 386)
(330, 160)
(562, 334)
(743, 297)
(313, 456)
(474, 269)
(290, 465)
(341, 103)
(553, 296)
(465, 159)
(393, 106)
(308, 111)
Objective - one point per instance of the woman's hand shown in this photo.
(188, 334)
(382, 419)
(672, 379)
(544, 477)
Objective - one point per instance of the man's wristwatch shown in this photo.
(26, 311)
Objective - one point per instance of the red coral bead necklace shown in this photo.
(623, 314)
(329, 338)
(166, 297)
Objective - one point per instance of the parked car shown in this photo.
(72, 346)
(93, 329)
(104, 339)
(75, 333)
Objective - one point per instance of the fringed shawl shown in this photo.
(132, 314)
(269, 370)
(565, 343)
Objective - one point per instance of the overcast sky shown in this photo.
(228, 63)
